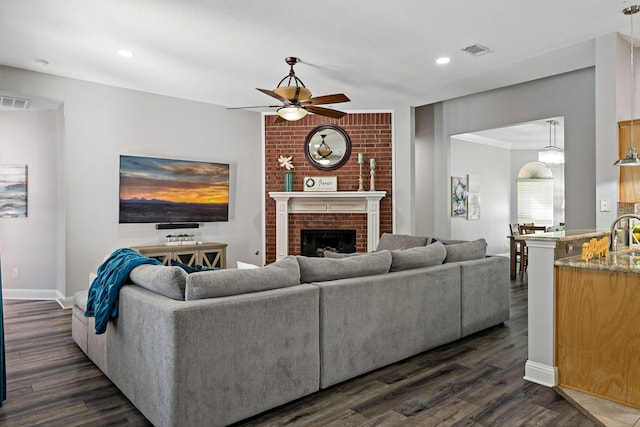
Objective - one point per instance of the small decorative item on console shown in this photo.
(180, 239)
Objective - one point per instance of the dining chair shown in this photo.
(514, 230)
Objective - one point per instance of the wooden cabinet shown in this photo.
(629, 177)
(213, 255)
(597, 333)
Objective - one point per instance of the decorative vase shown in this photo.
(288, 181)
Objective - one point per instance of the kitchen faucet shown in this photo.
(613, 237)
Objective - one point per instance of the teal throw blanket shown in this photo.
(102, 302)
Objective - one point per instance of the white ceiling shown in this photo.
(522, 136)
(379, 53)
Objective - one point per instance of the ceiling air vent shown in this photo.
(11, 102)
(476, 49)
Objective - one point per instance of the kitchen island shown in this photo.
(597, 325)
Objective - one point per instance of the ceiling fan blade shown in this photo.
(327, 99)
(335, 114)
(253, 106)
(275, 95)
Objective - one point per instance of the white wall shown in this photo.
(102, 122)
(492, 166)
(30, 244)
(404, 183)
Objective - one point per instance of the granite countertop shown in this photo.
(560, 236)
(625, 259)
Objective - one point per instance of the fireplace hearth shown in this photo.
(315, 242)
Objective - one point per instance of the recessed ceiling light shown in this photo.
(443, 60)
(125, 53)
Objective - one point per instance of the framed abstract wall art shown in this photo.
(458, 197)
(13, 191)
(473, 206)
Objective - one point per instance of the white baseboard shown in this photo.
(38, 294)
(541, 374)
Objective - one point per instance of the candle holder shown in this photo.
(360, 186)
(372, 185)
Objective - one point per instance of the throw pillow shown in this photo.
(167, 281)
(323, 269)
(400, 241)
(466, 251)
(222, 283)
(422, 256)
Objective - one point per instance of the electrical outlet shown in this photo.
(605, 205)
(16, 273)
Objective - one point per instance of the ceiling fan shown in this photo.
(297, 100)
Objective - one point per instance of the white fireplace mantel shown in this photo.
(366, 202)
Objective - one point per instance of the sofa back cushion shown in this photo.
(323, 269)
(167, 281)
(390, 241)
(222, 283)
(466, 251)
(331, 254)
(420, 256)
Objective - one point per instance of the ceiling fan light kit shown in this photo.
(297, 100)
(292, 113)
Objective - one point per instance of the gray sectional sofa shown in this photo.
(212, 348)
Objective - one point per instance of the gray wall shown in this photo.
(570, 95)
(100, 123)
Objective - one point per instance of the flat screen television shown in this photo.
(166, 190)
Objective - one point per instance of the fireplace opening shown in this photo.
(315, 242)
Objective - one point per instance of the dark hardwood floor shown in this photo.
(476, 381)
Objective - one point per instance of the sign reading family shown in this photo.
(13, 191)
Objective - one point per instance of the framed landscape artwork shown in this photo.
(168, 190)
(13, 191)
(458, 197)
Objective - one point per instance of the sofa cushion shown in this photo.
(323, 269)
(390, 241)
(331, 254)
(421, 256)
(167, 281)
(222, 283)
(466, 251)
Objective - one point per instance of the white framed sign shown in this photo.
(320, 183)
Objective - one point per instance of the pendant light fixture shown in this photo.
(631, 159)
(551, 154)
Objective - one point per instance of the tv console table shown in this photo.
(213, 255)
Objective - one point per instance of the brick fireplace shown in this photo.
(370, 134)
(345, 206)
